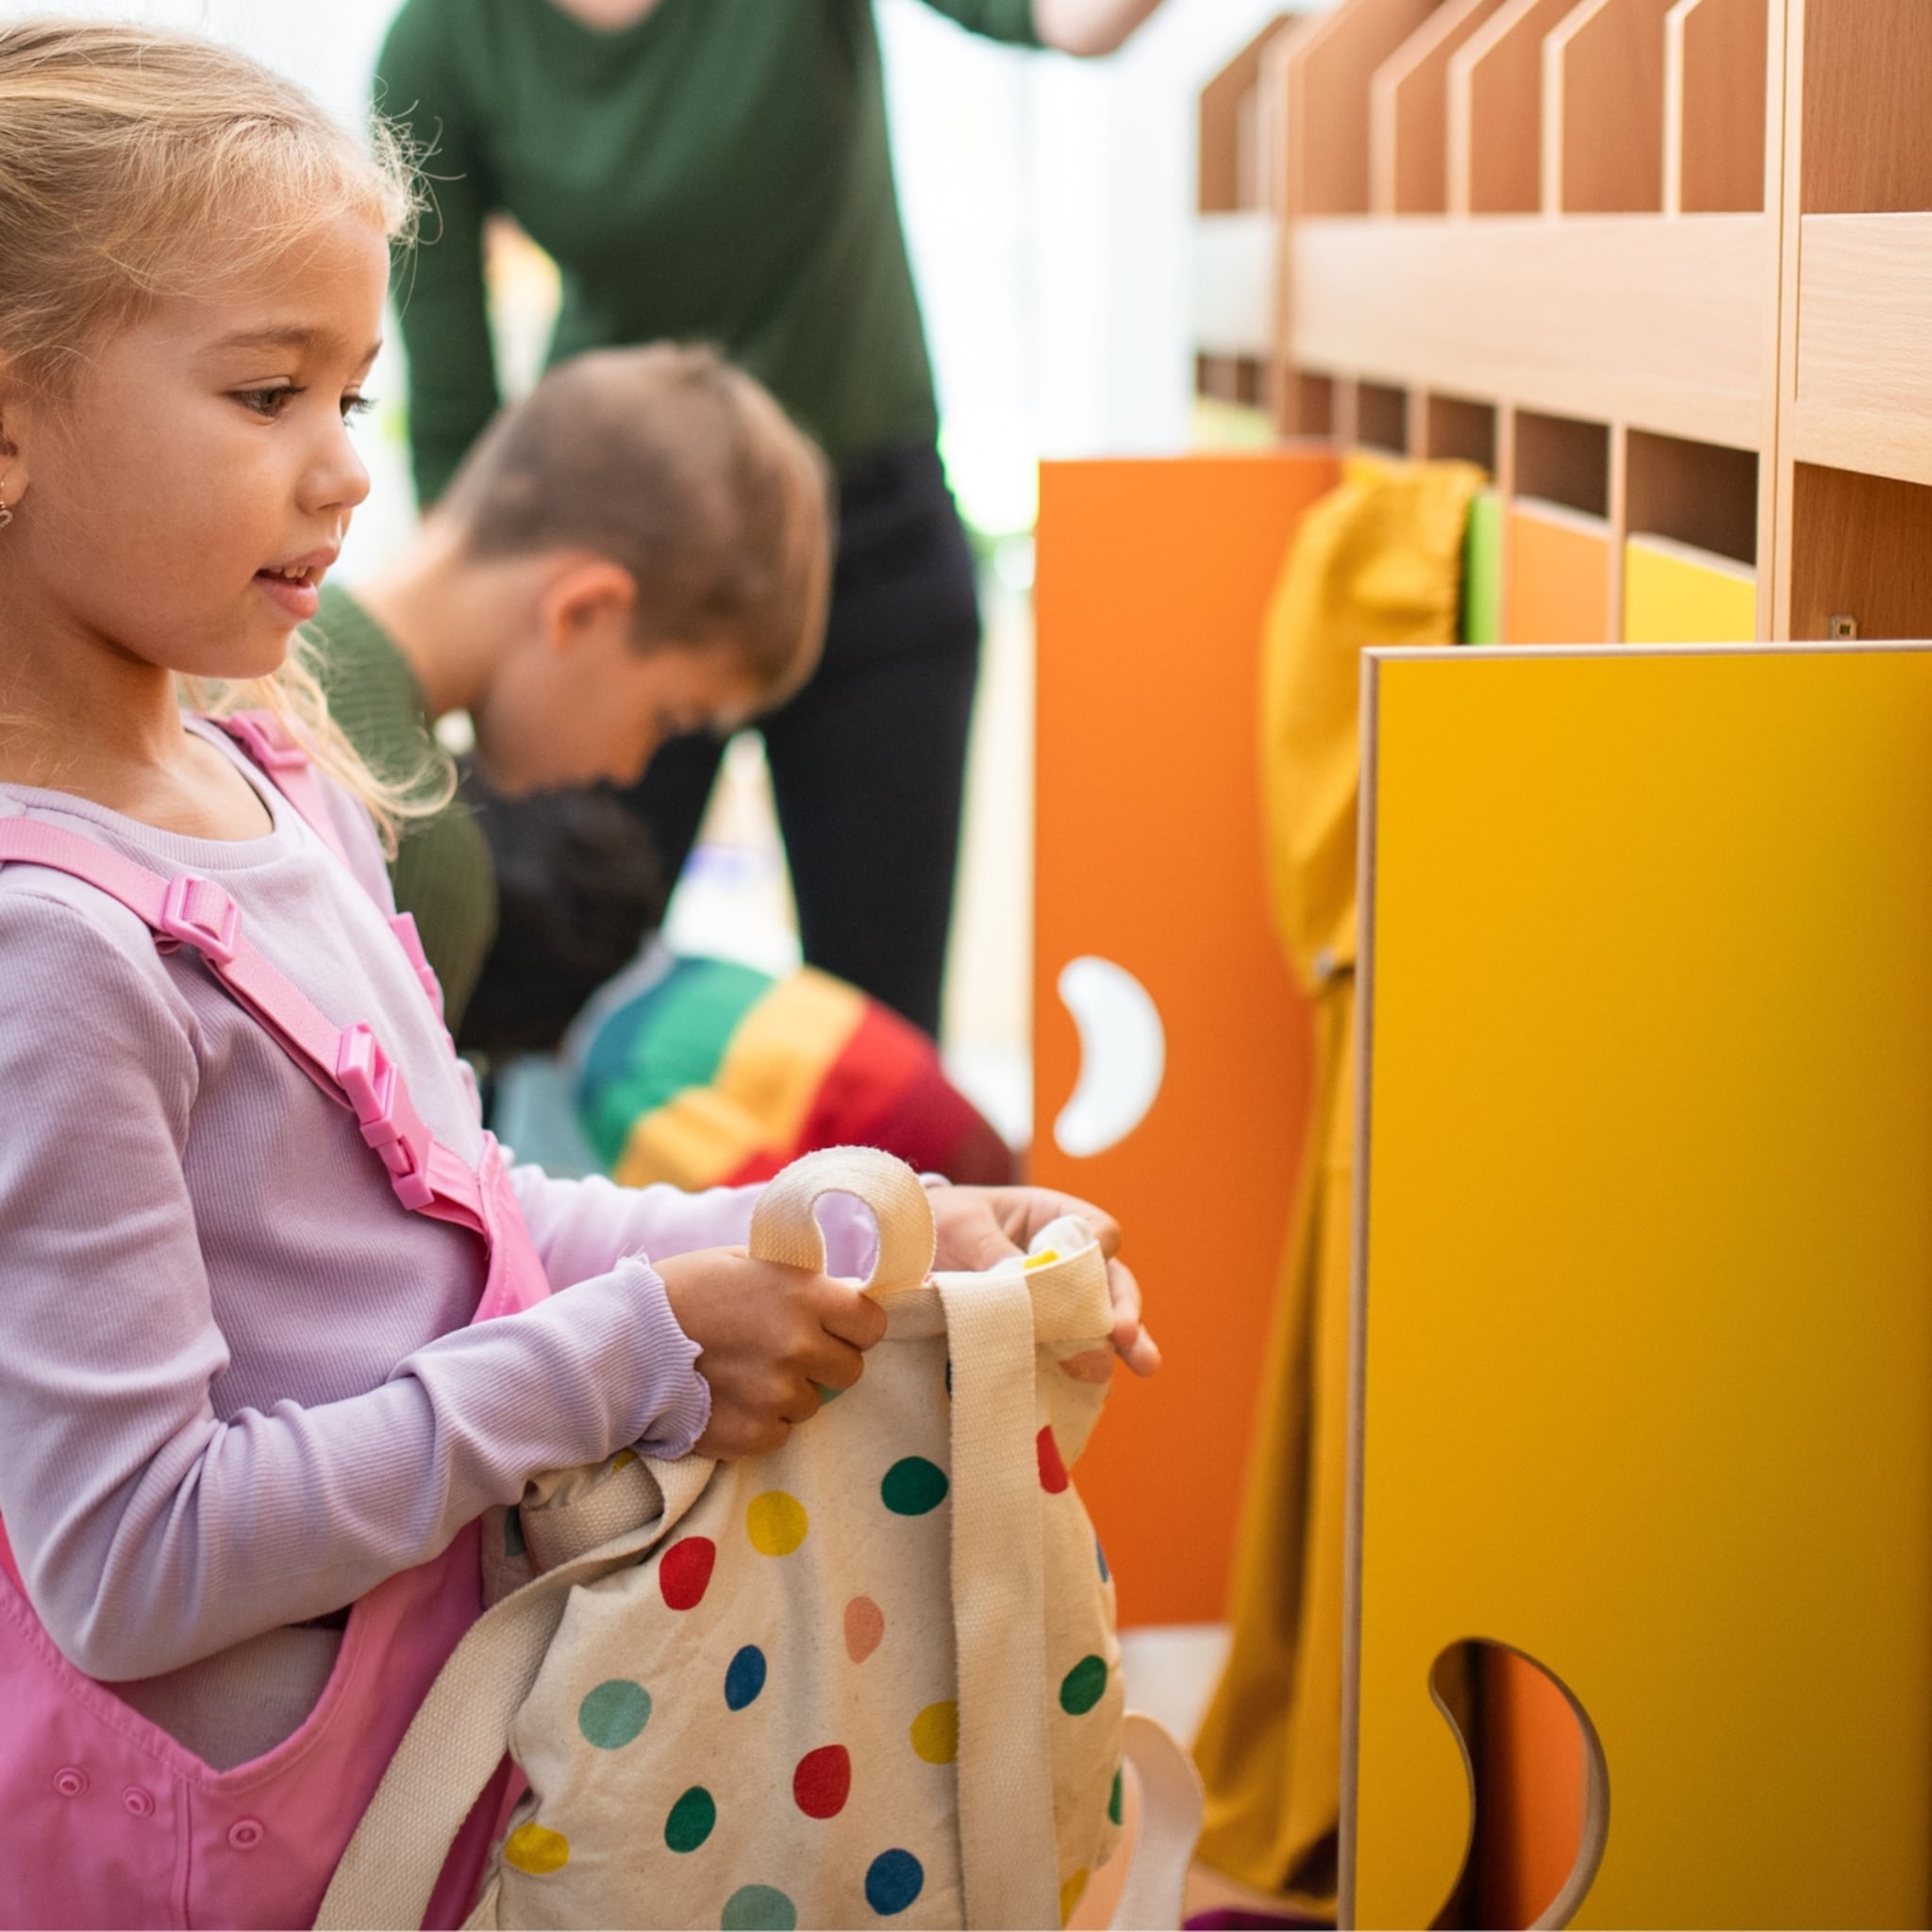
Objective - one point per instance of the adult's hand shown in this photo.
(1088, 27)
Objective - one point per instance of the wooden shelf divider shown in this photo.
(1603, 122)
(1714, 100)
(1409, 112)
(1330, 64)
(1496, 110)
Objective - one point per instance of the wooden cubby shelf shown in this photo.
(1235, 270)
(1664, 271)
(1651, 321)
(1704, 226)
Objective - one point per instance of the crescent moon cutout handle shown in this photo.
(783, 1227)
(1123, 1055)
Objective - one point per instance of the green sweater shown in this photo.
(718, 171)
(443, 874)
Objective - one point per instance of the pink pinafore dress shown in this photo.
(108, 1821)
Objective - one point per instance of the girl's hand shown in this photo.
(978, 1228)
(769, 1339)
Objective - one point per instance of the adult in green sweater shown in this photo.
(717, 170)
(638, 550)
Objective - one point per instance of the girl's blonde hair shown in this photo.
(137, 164)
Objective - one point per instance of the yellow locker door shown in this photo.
(1644, 1300)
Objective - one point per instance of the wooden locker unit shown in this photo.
(1236, 236)
(1589, 235)
(1730, 255)
(1854, 451)
(1666, 269)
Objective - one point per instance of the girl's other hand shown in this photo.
(978, 1228)
(769, 1339)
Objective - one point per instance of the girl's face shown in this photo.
(180, 502)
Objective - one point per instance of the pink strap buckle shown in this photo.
(384, 1111)
(268, 740)
(197, 912)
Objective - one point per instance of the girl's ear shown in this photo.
(588, 595)
(13, 415)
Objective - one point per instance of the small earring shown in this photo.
(5, 514)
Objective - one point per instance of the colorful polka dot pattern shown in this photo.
(892, 1882)
(744, 1677)
(711, 1818)
(536, 1849)
(1071, 1892)
(692, 1820)
(1093, 1366)
(776, 1524)
(865, 1628)
(913, 1485)
(936, 1732)
(684, 1574)
(1053, 1472)
(823, 1781)
(758, 1908)
(614, 1714)
(1082, 1687)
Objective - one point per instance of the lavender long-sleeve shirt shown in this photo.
(238, 1385)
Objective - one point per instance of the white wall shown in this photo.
(1048, 203)
(329, 47)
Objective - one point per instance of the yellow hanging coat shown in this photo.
(1377, 562)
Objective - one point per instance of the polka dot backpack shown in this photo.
(870, 1679)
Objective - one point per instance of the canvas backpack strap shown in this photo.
(1166, 1830)
(1008, 1854)
(784, 1229)
(459, 1735)
(1008, 1858)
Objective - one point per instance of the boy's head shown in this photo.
(579, 889)
(690, 523)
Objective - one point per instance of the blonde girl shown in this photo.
(277, 1321)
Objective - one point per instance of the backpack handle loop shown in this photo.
(783, 1227)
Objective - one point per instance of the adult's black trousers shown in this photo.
(868, 762)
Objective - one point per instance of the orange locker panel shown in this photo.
(1556, 565)
(1150, 884)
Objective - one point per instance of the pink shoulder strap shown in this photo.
(348, 1065)
(286, 764)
